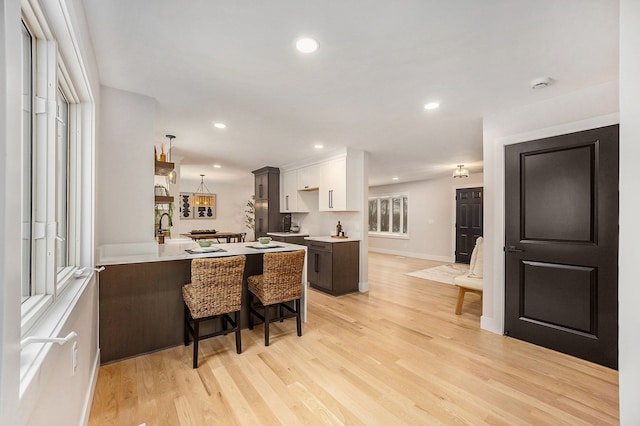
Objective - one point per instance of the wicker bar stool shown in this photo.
(215, 291)
(280, 282)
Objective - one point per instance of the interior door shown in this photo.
(468, 222)
(561, 243)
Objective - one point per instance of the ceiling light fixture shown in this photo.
(307, 45)
(172, 176)
(394, 178)
(202, 198)
(217, 166)
(461, 172)
(219, 125)
(318, 146)
(432, 105)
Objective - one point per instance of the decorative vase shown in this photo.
(163, 156)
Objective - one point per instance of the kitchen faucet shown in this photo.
(160, 222)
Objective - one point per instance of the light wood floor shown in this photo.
(394, 355)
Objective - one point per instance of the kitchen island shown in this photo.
(140, 301)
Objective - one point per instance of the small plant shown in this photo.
(250, 213)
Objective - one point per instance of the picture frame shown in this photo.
(188, 211)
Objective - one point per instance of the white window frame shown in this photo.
(50, 76)
(390, 233)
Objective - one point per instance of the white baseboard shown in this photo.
(413, 254)
(490, 324)
(86, 410)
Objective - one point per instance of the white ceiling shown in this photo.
(379, 62)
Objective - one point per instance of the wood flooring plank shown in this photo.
(394, 355)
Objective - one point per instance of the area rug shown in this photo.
(443, 273)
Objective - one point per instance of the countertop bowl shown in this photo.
(264, 240)
(204, 243)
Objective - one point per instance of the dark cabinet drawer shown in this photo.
(319, 246)
(291, 239)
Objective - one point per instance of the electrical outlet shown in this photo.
(74, 358)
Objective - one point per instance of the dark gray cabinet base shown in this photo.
(333, 268)
(141, 306)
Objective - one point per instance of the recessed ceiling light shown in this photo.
(219, 125)
(217, 166)
(307, 45)
(318, 146)
(432, 105)
(394, 178)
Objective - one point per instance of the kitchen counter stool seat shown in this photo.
(279, 283)
(215, 291)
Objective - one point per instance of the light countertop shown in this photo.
(330, 239)
(142, 253)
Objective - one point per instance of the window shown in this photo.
(388, 215)
(27, 90)
(62, 181)
(49, 203)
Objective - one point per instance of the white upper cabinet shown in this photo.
(338, 183)
(338, 186)
(290, 200)
(309, 178)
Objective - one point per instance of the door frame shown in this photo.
(494, 215)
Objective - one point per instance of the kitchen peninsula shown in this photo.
(140, 300)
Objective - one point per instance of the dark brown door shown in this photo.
(561, 243)
(468, 221)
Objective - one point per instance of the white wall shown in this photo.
(231, 199)
(588, 108)
(629, 254)
(431, 216)
(54, 396)
(125, 168)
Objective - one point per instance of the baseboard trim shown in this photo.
(490, 324)
(413, 254)
(86, 410)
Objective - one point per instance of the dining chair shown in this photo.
(279, 283)
(215, 292)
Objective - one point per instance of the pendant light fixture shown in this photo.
(202, 198)
(461, 172)
(172, 176)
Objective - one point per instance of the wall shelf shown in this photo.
(161, 199)
(163, 168)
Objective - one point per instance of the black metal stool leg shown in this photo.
(186, 325)
(298, 319)
(266, 325)
(196, 338)
(236, 316)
